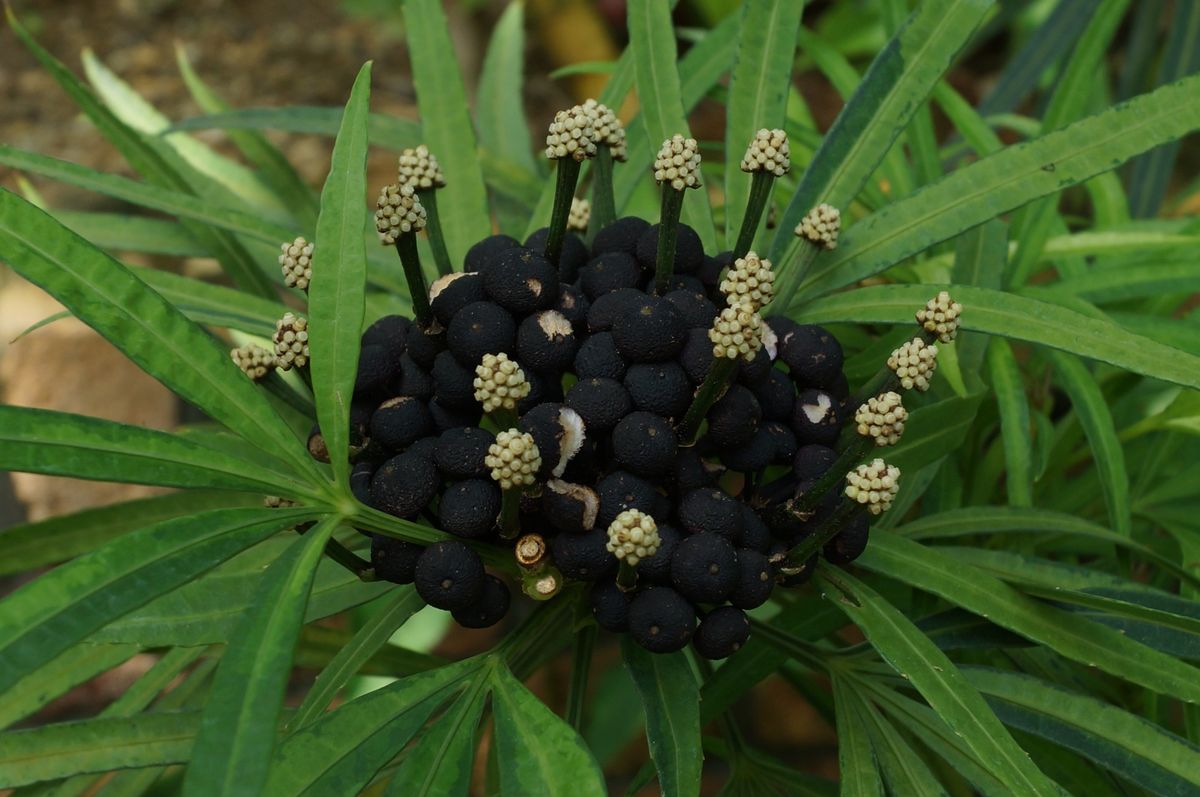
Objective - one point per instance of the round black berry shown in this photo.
(609, 272)
(755, 579)
(776, 395)
(811, 461)
(661, 620)
(644, 444)
(360, 480)
(784, 440)
(657, 569)
(522, 281)
(620, 236)
(689, 252)
(460, 452)
(817, 418)
(721, 633)
(598, 357)
(619, 491)
(610, 606)
(445, 418)
(693, 471)
(449, 575)
(754, 455)
(394, 560)
(573, 305)
(453, 292)
(755, 371)
(411, 379)
(704, 568)
(546, 342)
(574, 253)
(755, 533)
(712, 510)
(600, 402)
(584, 557)
(376, 365)
(697, 355)
(424, 345)
(391, 332)
(400, 422)
(661, 388)
(694, 307)
(404, 485)
(469, 508)
(850, 542)
(488, 609)
(650, 333)
(812, 354)
(481, 328)
(570, 507)
(605, 309)
(454, 382)
(484, 254)
(734, 418)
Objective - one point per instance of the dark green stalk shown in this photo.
(433, 228)
(510, 513)
(668, 231)
(715, 383)
(503, 418)
(564, 192)
(604, 204)
(627, 577)
(581, 664)
(406, 247)
(846, 511)
(848, 458)
(350, 560)
(729, 727)
(760, 192)
(279, 387)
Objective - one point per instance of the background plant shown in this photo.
(1034, 594)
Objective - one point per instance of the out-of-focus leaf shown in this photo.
(670, 699)
(1014, 421)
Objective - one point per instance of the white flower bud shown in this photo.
(820, 226)
(291, 342)
(768, 152)
(499, 383)
(882, 418)
(914, 363)
(939, 317)
(749, 281)
(398, 211)
(571, 134)
(736, 332)
(607, 130)
(513, 459)
(633, 536)
(419, 168)
(581, 214)
(295, 261)
(255, 361)
(874, 484)
(678, 163)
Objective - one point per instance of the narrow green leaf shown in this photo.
(339, 753)
(373, 635)
(96, 745)
(31, 546)
(237, 733)
(903, 768)
(157, 337)
(214, 305)
(446, 122)
(932, 431)
(1091, 407)
(122, 232)
(439, 764)
(1063, 632)
(384, 131)
(938, 680)
(1002, 182)
(856, 760)
(72, 667)
(499, 106)
(670, 699)
(537, 752)
(1015, 317)
(1138, 281)
(146, 161)
(1137, 750)
(1015, 428)
(979, 258)
(899, 80)
(67, 604)
(335, 297)
(758, 87)
(61, 444)
(652, 40)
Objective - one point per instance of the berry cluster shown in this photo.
(621, 410)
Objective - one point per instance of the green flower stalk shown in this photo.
(766, 158)
(736, 333)
(632, 537)
(399, 216)
(676, 169)
(514, 460)
(569, 141)
(818, 232)
(609, 135)
(912, 365)
(871, 487)
(419, 168)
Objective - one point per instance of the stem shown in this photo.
(627, 577)
(715, 383)
(564, 192)
(503, 418)
(850, 456)
(846, 511)
(668, 232)
(278, 387)
(433, 229)
(510, 513)
(406, 247)
(786, 286)
(581, 663)
(760, 191)
(604, 204)
(350, 560)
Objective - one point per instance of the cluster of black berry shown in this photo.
(620, 412)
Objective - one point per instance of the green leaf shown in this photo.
(72, 667)
(439, 764)
(335, 297)
(31, 546)
(537, 752)
(1063, 632)
(340, 752)
(670, 699)
(148, 162)
(214, 305)
(933, 430)
(930, 671)
(899, 80)
(383, 130)
(499, 106)
(758, 87)
(70, 602)
(903, 768)
(97, 745)
(237, 733)
(652, 40)
(1002, 182)
(1015, 428)
(1091, 407)
(1137, 750)
(446, 123)
(372, 636)
(154, 335)
(856, 760)
(1015, 317)
(1132, 281)
(61, 444)
(122, 232)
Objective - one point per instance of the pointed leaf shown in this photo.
(440, 763)
(1015, 430)
(499, 108)
(72, 667)
(856, 760)
(670, 699)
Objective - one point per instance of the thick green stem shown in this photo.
(850, 456)
(604, 203)
(760, 192)
(564, 192)
(668, 231)
(406, 247)
(581, 664)
(790, 277)
(433, 228)
(627, 577)
(350, 560)
(846, 511)
(510, 514)
(715, 383)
